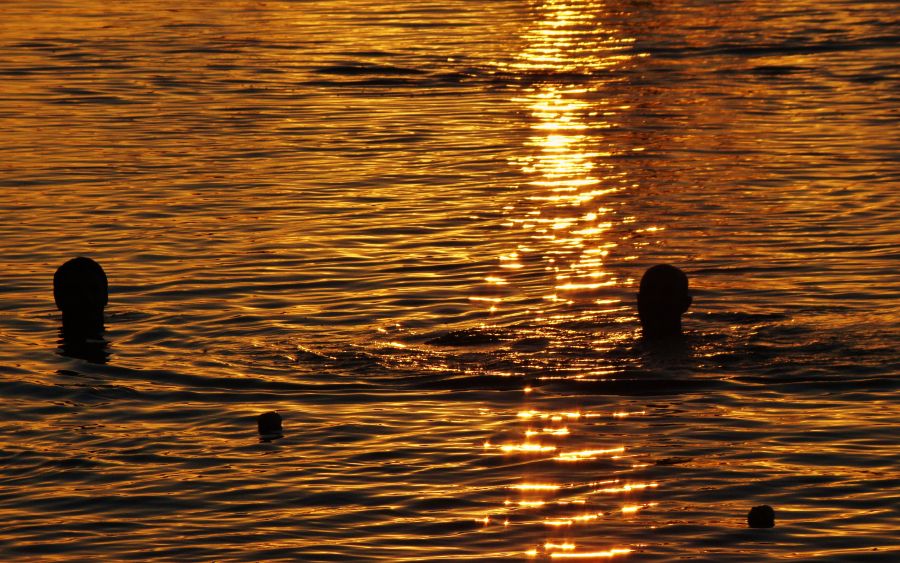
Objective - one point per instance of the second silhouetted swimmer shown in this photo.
(81, 292)
(662, 299)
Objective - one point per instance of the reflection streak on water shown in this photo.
(567, 212)
(568, 215)
(591, 555)
(563, 507)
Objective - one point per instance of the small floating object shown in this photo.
(761, 517)
(269, 424)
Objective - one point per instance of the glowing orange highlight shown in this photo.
(628, 488)
(631, 509)
(527, 448)
(587, 454)
(534, 487)
(592, 554)
(525, 503)
(563, 546)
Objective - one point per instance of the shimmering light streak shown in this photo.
(591, 555)
(577, 519)
(535, 487)
(631, 509)
(525, 503)
(628, 488)
(587, 454)
(526, 448)
(556, 417)
(564, 431)
(561, 546)
(599, 483)
(574, 286)
(586, 517)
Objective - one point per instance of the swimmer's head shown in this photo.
(662, 299)
(80, 290)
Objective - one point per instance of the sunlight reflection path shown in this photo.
(553, 495)
(572, 223)
(571, 213)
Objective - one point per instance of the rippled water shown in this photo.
(414, 230)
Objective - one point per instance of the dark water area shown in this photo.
(415, 230)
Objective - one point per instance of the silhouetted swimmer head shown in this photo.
(269, 424)
(761, 517)
(662, 299)
(81, 292)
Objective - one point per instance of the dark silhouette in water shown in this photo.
(80, 289)
(761, 517)
(662, 299)
(81, 292)
(74, 345)
(269, 425)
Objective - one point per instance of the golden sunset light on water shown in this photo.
(520, 280)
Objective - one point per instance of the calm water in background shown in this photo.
(414, 229)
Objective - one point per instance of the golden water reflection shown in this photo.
(563, 504)
(569, 213)
(570, 219)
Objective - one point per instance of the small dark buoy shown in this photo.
(761, 517)
(269, 423)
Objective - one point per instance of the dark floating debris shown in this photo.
(269, 424)
(761, 517)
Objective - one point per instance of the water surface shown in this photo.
(415, 230)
